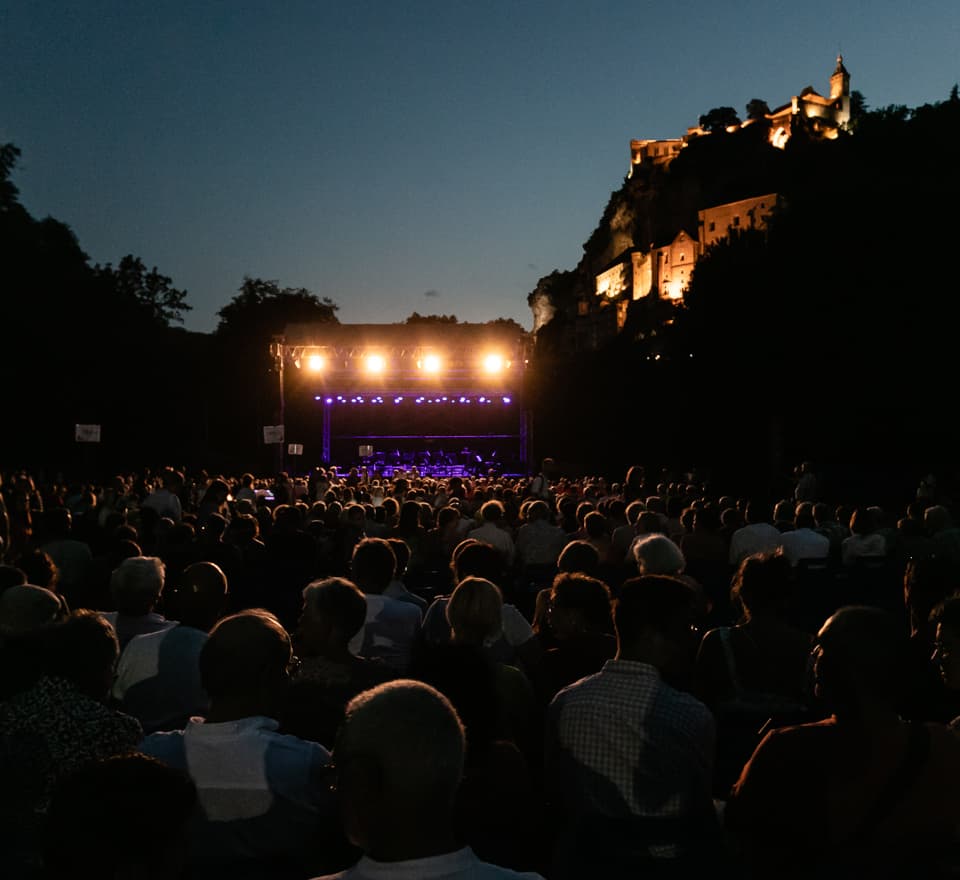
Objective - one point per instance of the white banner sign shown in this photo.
(273, 433)
(294, 449)
(87, 433)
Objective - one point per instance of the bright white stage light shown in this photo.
(375, 363)
(430, 363)
(493, 363)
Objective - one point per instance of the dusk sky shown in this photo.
(436, 157)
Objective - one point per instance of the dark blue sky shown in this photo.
(428, 156)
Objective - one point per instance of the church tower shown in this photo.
(840, 92)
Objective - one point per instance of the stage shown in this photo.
(441, 399)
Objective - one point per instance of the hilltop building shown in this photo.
(661, 271)
(823, 116)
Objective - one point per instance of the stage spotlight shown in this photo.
(430, 363)
(493, 363)
(506, 400)
(375, 363)
(316, 363)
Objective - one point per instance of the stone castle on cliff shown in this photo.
(665, 269)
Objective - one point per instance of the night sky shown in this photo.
(397, 157)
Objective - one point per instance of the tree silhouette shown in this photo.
(159, 300)
(8, 192)
(263, 309)
(719, 119)
(417, 318)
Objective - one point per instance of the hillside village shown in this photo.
(665, 217)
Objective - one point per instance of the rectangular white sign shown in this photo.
(273, 433)
(87, 433)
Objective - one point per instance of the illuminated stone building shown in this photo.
(664, 269)
(822, 116)
(718, 222)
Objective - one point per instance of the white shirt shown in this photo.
(754, 538)
(462, 864)
(804, 544)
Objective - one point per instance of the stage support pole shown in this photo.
(524, 440)
(327, 419)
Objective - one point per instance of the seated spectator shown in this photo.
(25, 608)
(539, 542)
(759, 535)
(137, 586)
(783, 513)
(396, 588)
(802, 542)
(581, 623)
(828, 526)
(658, 555)
(475, 615)
(399, 759)
(71, 557)
(862, 793)
(597, 534)
(495, 531)
(753, 673)
(946, 647)
(158, 677)
(517, 643)
(579, 556)
(40, 569)
(263, 801)
(629, 757)
(942, 531)
(864, 540)
(391, 625)
(56, 724)
(97, 815)
(165, 501)
(334, 611)
(624, 534)
(498, 809)
(927, 582)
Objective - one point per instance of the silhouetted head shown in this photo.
(859, 660)
(373, 565)
(399, 757)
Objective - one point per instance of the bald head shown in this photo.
(859, 658)
(199, 599)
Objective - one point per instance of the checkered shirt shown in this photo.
(624, 743)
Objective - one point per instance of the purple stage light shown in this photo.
(328, 400)
(506, 400)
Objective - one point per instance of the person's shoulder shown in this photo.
(293, 745)
(400, 608)
(166, 746)
(578, 689)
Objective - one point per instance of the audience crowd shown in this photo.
(343, 675)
